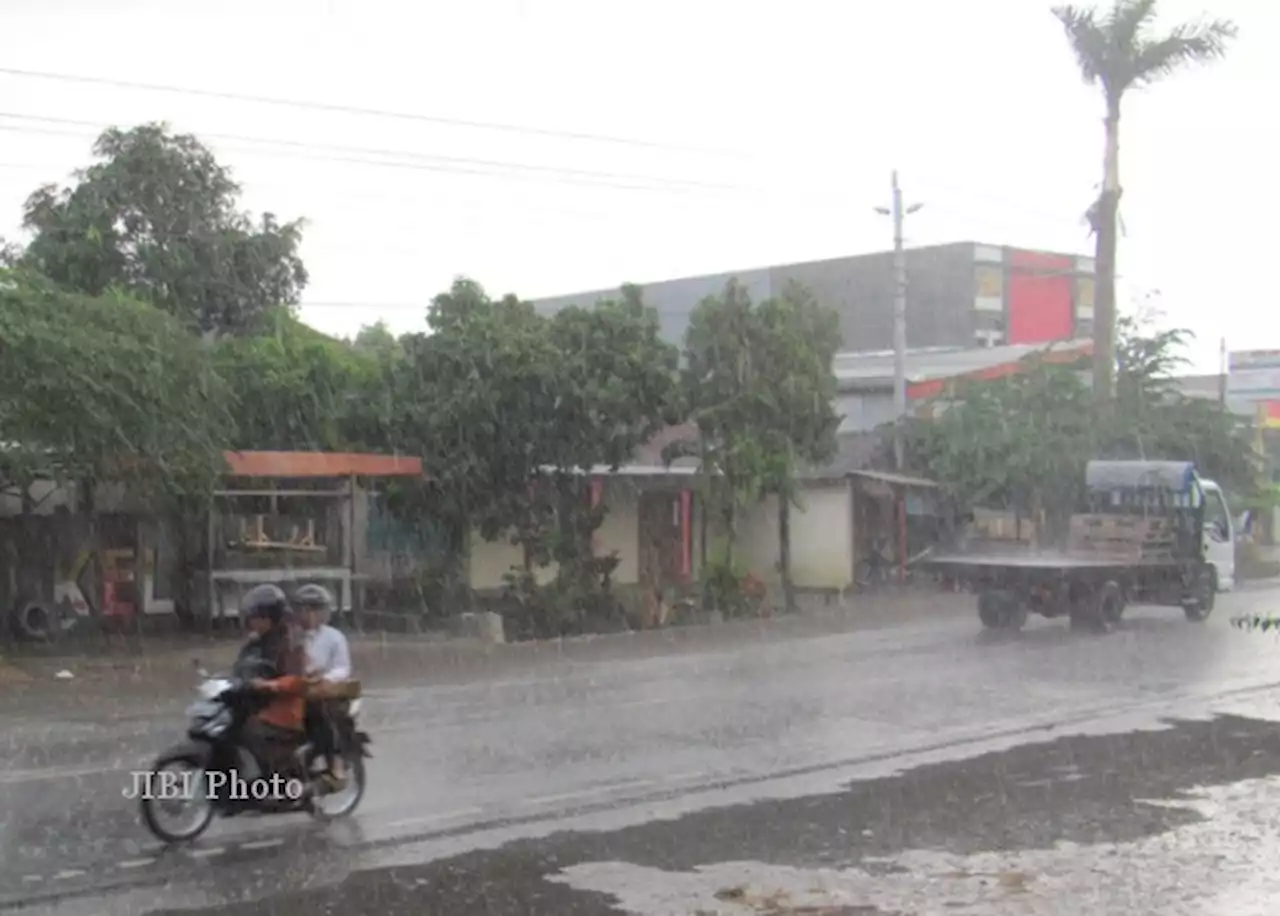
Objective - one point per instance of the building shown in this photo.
(865, 380)
(963, 294)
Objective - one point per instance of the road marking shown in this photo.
(685, 777)
(136, 863)
(586, 793)
(261, 844)
(433, 818)
(431, 727)
(33, 879)
(76, 771)
(207, 853)
(68, 873)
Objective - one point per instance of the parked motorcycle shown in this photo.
(214, 773)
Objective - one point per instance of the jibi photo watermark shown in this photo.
(170, 786)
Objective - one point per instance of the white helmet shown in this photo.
(313, 596)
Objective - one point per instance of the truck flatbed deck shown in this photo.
(1141, 537)
(1045, 560)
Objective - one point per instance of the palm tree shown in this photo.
(1119, 50)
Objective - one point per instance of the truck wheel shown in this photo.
(1100, 611)
(1109, 607)
(1001, 610)
(1204, 595)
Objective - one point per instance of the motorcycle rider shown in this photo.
(273, 665)
(328, 659)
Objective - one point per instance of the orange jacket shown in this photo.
(287, 708)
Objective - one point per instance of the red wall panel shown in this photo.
(1039, 297)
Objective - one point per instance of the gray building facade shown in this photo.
(963, 294)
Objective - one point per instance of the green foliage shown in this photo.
(158, 216)
(729, 587)
(377, 341)
(1256, 622)
(498, 394)
(1119, 50)
(1022, 441)
(1016, 441)
(95, 388)
(578, 597)
(759, 386)
(507, 407)
(617, 384)
(10, 254)
(477, 399)
(293, 387)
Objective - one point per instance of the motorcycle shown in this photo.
(224, 778)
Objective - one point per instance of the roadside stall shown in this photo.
(897, 521)
(288, 518)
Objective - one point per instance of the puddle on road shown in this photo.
(1173, 821)
(1221, 865)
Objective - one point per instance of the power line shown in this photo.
(544, 173)
(349, 109)
(459, 165)
(306, 147)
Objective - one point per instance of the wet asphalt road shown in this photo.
(563, 789)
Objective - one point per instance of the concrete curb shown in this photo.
(167, 662)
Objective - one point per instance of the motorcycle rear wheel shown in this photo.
(352, 793)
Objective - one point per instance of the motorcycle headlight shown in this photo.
(213, 687)
(202, 709)
(215, 725)
(354, 709)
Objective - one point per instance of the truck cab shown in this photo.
(1170, 488)
(1219, 534)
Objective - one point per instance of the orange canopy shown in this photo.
(321, 464)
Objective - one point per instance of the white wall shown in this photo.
(821, 538)
(620, 530)
(491, 560)
(864, 411)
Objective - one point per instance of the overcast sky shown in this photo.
(759, 133)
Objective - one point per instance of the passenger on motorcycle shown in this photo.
(273, 665)
(328, 658)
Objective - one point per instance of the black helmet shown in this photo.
(265, 601)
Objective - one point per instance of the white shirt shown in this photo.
(328, 655)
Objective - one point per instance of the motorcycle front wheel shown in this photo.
(189, 792)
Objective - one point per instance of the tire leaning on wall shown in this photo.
(32, 621)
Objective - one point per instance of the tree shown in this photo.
(377, 341)
(508, 407)
(296, 389)
(477, 399)
(618, 383)
(758, 384)
(158, 217)
(1023, 441)
(104, 388)
(1119, 50)
(1019, 442)
(1151, 416)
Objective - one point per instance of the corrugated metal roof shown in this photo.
(684, 467)
(890, 477)
(874, 369)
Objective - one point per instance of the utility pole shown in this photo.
(898, 212)
(1224, 370)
